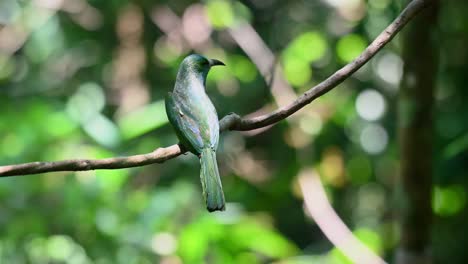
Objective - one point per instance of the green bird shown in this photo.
(194, 118)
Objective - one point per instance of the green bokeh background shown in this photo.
(87, 79)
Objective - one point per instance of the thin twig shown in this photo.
(232, 121)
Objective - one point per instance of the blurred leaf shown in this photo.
(337, 257)
(59, 124)
(109, 180)
(297, 71)
(309, 46)
(11, 145)
(7, 66)
(103, 130)
(247, 257)
(143, 120)
(448, 200)
(350, 46)
(112, 180)
(107, 221)
(251, 235)
(40, 47)
(456, 147)
(67, 67)
(225, 13)
(195, 239)
(88, 101)
(242, 68)
(221, 13)
(300, 53)
(359, 169)
(370, 238)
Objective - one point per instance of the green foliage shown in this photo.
(448, 200)
(136, 123)
(300, 53)
(242, 68)
(89, 80)
(368, 237)
(350, 46)
(226, 13)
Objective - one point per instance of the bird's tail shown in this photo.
(211, 183)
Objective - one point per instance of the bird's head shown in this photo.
(198, 65)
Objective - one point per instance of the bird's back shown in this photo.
(194, 118)
(193, 115)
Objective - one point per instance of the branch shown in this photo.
(339, 76)
(231, 121)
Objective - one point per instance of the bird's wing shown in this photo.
(185, 124)
(202, 114)
(214, 128)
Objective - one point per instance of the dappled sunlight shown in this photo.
(389, 67)
(349, 47)
(448, 200)
(351, 10)
(305, 49)
(332, 167)
(56, 248)
(374, 138)
(164, 243)
(82, 80)
(135, 123)
(370, 105)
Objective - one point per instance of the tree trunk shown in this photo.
(416, 136)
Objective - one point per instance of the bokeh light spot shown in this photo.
(448, 200)
(220, 13)
(243, 68)
(297, 71)
(60, 247)
(106, 221)
(370, 105)
(164, 243)
(300, 53)
(167, 51)
(374, 139)
(309, 46)
(103, 130)
(332, 167)
(389, 67)
(196, 28)
(350, 46)
(40, 47)
(88, 100)
(311, 124)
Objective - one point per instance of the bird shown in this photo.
(195, 121)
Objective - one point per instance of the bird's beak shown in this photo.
(214, 62)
